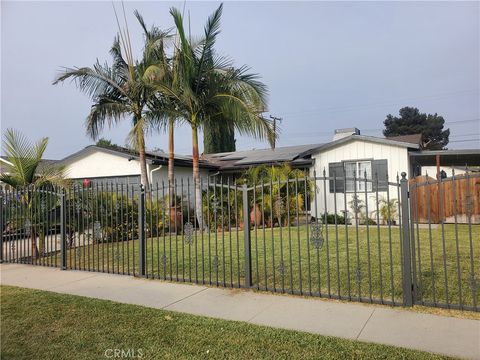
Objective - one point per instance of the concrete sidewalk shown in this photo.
(378, 324)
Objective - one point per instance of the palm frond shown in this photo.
(107, 110)
(93, 82)
(212, 29)
(51, 175)
(26, 157)
(23, 154)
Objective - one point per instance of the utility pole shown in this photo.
(275, 119)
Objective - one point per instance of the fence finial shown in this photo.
(404, 175)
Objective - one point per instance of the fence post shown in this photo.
(1, 226)
(141, 231)
(63, 237)
(246, 238)
(407, 270)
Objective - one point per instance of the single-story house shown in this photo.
(122, 166)
(349, 154)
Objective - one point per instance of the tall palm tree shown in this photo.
(125, 89)
(208, 88)
(26, 175)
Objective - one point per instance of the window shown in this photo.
(377, 172)
(358, 169)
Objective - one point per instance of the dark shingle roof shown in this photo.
(244, 158)
(153, 157)
(412, 138)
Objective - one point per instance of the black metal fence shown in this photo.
(290, 235)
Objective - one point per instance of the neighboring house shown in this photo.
(425, 162)
(4, 165)
(120, 165)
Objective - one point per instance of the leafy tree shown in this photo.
(218, 138)
(208, 88)
(106, 143)
(124, 89)
(411, 121)
(35, 184)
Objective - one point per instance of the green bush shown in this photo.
(331, 218)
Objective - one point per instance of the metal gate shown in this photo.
(445, 232)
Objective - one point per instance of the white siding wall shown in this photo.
(396, 156)
(98, 164)
(180, 173)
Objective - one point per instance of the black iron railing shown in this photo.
(392, 243)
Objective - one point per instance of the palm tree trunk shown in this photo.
(35, 252)
(196, 177)
(171, 160)
(143, 164)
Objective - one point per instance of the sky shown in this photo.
(327, 65)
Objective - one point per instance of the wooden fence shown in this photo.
(434, 201)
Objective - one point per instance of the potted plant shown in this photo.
(256, 216)
(388, 210)
(357, 205)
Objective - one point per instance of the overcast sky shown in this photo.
(328, 65)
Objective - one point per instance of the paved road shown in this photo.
(378, 324)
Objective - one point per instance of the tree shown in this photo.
(35, 183)
(125, 89)
(284, 191)
(207, 88)
(411, 121)
(218, 139)
(106, 143)
(25, 158)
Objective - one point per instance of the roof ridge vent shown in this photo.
(343, 133)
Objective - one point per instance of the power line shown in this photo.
(460, 135)
(376, 129)
(386, 102)
(275, 119)
(467, 140)
(461, 121)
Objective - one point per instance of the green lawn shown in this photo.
(45, 325)
(285, 260)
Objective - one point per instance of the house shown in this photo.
(122, 166)
(350, 154)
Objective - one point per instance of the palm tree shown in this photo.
(208, 89)
(125, 89)
(31, 180)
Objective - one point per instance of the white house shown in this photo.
(362, 157)
(122, 166)
(348, 155)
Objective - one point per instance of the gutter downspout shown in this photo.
(151, 172)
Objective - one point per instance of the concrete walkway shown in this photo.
(378, 324)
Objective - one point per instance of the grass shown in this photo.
(45, 325)
(285, 260)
